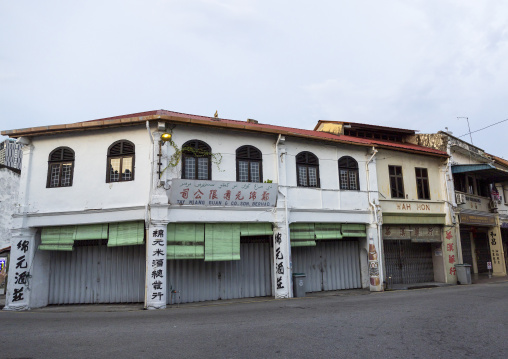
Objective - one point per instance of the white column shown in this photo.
(282, 262)
(374, 260)
(20, 265)
(156, 264)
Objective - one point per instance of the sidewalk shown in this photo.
(476, 279)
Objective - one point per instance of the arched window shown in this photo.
(348, 173)
(60, 167)
(196, 160)
(307, 169)
(121, 162)
(249, 164)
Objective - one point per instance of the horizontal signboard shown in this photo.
(413, 232)
(477, 219)
(222, 193)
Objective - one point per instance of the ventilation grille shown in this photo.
(348, 162)
(248, 152)
(307, 158)
(121, 148)
(198, 145)
(62, 154)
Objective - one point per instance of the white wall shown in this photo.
(9, 185)
(89, 190)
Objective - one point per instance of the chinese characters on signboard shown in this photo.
(415, 233)
(158, 244)
(21, 272)
(222, 193)
(279, 261)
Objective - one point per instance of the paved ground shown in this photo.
(443, 322)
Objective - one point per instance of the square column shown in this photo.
(20, 265)
(282, 262)
(496, 250)
(156, 266)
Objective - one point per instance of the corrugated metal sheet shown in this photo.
(198, 280)
(98, 274)
(407, 262)
(330, 265)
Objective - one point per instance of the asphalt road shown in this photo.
(448, 322)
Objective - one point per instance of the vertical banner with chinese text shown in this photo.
(156, 267)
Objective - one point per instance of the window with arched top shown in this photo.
(121, 156)
(196, 160)
(307, 169)
(348, 173)
(60, 167)
(249, 164)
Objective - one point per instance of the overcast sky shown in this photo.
(410, 64)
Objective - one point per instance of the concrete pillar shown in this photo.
(449, 251)
(23, 248)
(282, 262)
(156, 266)
(374, 259)
(496, 250)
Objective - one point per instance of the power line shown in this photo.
(481, 129)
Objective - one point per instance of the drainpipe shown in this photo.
(147, 208)
(373, 257)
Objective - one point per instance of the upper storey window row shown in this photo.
(397, 182)
(120, 164)
(196, 164)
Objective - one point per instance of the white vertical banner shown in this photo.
(18, 287)
(156, 264)
(282, 270)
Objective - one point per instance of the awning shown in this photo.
(486, 170)
(58, 238)
(222, 242)
(186, 241)
(126, 234)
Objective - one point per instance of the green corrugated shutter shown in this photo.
(126, 234)
(222, 241)
(186, 241)
(58, 238)
(92, 231)
(327, 231)
(302, 234)
(256, 229)
(354, 230)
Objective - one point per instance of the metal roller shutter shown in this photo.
(198, 281)
(330, 265)
(407, 262)
(97, 274)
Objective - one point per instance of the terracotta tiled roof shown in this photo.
(138, 118)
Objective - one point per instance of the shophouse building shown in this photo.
(159, 207)
(416, 227)
(478, 180)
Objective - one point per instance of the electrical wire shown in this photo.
(481, 129)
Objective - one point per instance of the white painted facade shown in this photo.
(91, 200)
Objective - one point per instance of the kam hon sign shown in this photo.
(222, 193)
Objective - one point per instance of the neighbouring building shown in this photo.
(478, 182)
(10, 153)
(416, 226)
(9, 185)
